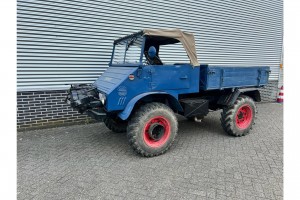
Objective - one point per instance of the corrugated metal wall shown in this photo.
(62, 42)
(281, 78)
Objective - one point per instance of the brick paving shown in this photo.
(91, 162)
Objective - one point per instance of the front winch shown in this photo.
(83, 97)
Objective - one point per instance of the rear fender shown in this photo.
(254, 94)
(230, 98)
(172, 100)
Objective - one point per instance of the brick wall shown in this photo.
(48, 109)
(45, 109)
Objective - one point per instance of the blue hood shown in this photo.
(113, 77)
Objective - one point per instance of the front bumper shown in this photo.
(85, 99)
(98, 115)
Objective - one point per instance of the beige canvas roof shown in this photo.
(187, 40)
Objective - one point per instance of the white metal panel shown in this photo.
(62, 42)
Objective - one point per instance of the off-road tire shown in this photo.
(229, 116)
(115, 124)
(137, 129)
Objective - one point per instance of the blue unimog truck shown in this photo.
(140, 95)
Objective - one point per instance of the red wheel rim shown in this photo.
(244, 116)
(157, 131)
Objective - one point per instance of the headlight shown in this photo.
(102, 98)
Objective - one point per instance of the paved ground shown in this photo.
(90, 162)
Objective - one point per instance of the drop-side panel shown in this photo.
(218, 77)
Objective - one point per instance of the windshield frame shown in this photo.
(128, 64)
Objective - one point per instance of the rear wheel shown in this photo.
(152, 129)
(115, 124)
(237, 120)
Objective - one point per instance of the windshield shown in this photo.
(128, 51)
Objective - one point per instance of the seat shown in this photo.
(152, 57)
(154, 61)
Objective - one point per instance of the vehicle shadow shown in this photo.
(94, 142)
(112, 142)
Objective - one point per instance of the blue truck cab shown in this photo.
(140, 95)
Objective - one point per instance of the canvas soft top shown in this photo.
(186, 39)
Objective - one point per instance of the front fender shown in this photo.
(126, 112)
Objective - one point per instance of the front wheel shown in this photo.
(237, 120)
(152, 129)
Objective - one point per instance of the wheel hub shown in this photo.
(240, 115)
(244, 117)
(156, 131)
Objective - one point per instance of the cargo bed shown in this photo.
(221, 77)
